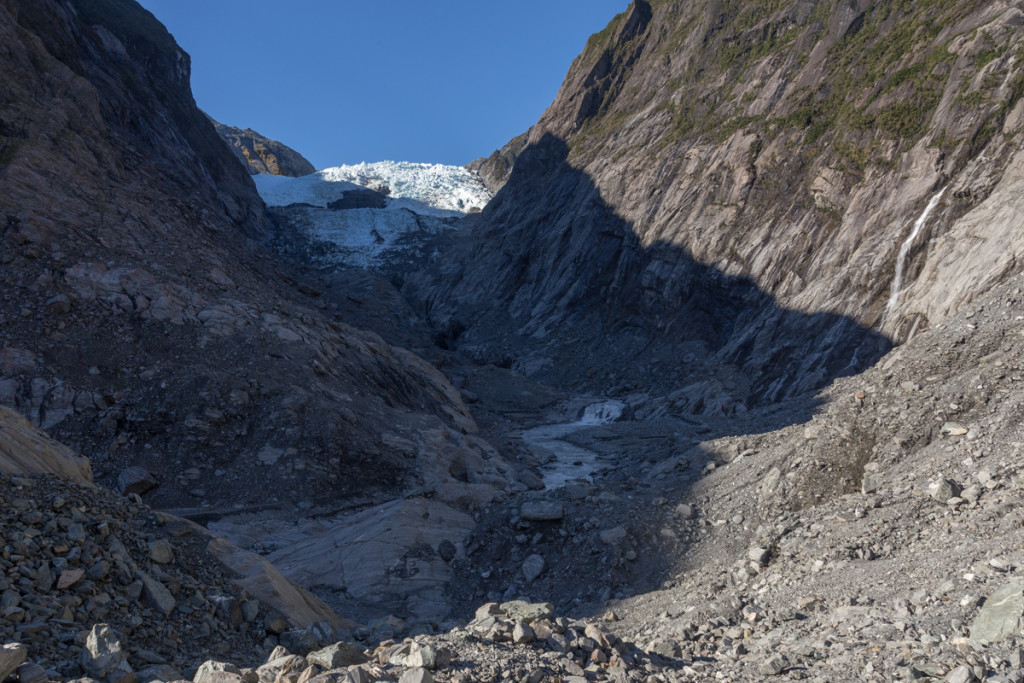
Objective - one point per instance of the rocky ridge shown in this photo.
(260, 154)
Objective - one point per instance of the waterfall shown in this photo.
(901, 259)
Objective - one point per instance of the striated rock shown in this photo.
(26, 450)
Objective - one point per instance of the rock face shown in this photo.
(659, 206)
(263, 155)
(142, 321)
(24, 449)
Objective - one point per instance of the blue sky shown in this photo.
(405, 80)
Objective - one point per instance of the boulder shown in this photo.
(1002, 615)
(135, 480)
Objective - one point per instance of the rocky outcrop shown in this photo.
(747, 189)
(263, 155)
(24, 449)
(495, 169)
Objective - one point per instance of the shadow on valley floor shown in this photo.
(551, 282)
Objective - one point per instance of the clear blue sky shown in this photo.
(342, 82)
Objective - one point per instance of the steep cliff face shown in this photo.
(790, 148)
(141, 322)
(260, 154)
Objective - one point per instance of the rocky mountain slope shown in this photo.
(743, 184)
(260, 154)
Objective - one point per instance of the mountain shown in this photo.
(263, 155)
(775, 191)
(144, 321)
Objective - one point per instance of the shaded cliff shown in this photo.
(143, 324)
(260, 154)
(794, 146)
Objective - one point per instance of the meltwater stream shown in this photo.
(566, 461)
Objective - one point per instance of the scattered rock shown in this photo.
(541, 511)
(533, 566)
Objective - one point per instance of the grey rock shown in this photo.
(1001, 615)
(12, 655)
(300, 641)
(416, 676)
(158, 672)
(870, 483)
(944, 489)
(428, 657)
(774, 665)
(58, 305)
(490, 609)
(337, 655)
(102, 655)
(522, 633)
(31, 672)
(205, 672)
(135, 480)
(228, 609)
(686, 511)
(613, 536)
(161, 552)
(155, 593)
(542, 511)
(528, 612)
(533, 566)
(961, 674)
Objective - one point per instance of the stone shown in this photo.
(522, 633)
(228, 609)
(161, 551)
(12, 655)
(1001, 615)
(428, 657)
(943, 489)
(155, 593)
(31, 672)
(338, 655)
(300, 641)
(67, 579)
(205, 672)
(541, 511)
(533, 566)
(613, 536)
(135, 480)
(102, 655)
(774, 665)
(870, 483)
(58, 305)
(490, 609)
(416, 676)
(758, 555)
(961, 674)
(520, 610)
(686, 511)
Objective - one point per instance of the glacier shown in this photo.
(420, 200)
